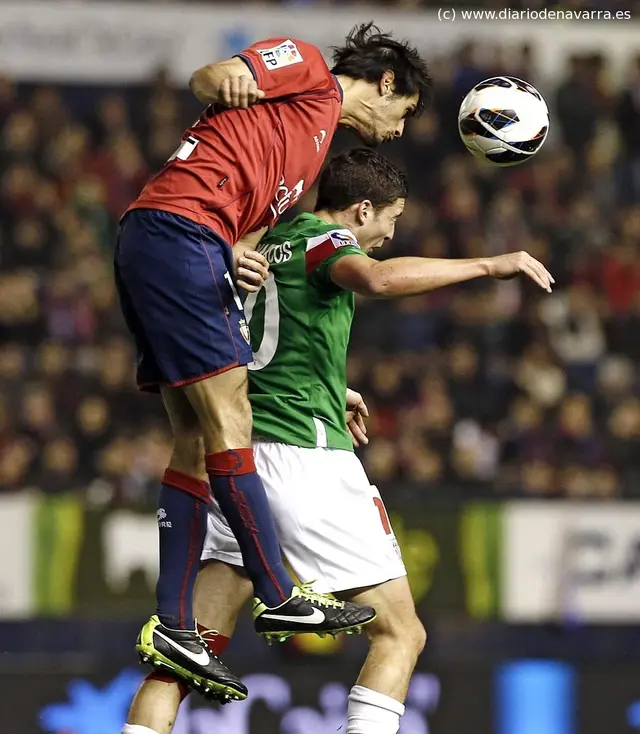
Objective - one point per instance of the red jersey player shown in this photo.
(273, 110)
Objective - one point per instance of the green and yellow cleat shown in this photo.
(306, 611)
(187, 656)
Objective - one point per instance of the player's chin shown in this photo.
(376, 140)
(369, 138)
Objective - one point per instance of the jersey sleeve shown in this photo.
(283, 67)
(326, 249)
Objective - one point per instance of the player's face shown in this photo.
(381, 226)
(388, 115)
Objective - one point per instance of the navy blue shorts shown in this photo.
(174, 279)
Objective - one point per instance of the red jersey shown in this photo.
(237, 171)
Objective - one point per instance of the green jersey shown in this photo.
(299, 323)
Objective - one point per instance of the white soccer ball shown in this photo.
(503, 120)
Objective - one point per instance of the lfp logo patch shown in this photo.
(343, 238)
(282, 55)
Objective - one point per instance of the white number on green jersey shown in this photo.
(264, 352)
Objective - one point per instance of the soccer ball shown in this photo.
(503, 120)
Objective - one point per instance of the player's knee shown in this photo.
(224, 410)
(412, 635)
(404, 630)
(231, 426)
(418, 636)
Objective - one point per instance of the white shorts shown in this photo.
(332, 525)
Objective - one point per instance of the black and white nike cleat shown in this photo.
(307, 611)
(188, 657)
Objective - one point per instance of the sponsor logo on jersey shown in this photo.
(280, 56)
(343, 238)
(244, 330)
(319, 139)
(286, 197)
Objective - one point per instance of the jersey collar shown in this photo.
(339, 86)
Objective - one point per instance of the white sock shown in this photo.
(137, 729)
(370, 712)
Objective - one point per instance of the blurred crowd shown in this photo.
(489, 388)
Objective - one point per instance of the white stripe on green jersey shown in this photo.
(300, 323)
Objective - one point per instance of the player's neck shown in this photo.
(339, 219)
(355, 95)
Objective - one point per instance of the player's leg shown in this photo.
(182, 513)
(397, 638)
(222, 405)
(306, 611)
(221, 592)
(346, 542)
(170, 639)
(183, 489)
(334, 528)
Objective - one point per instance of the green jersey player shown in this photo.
(332, 523)
(300, 323)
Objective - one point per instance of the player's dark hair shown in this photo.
(358, 175)
(368, 53)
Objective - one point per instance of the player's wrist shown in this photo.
(487, 266)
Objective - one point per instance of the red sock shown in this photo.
(217, 643)
(168, 678)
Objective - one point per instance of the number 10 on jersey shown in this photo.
(264, 349)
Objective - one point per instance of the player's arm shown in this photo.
(251, 268)
(230, 83)
(279, 67)
(410, 276)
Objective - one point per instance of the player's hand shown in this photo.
(240, 92)
(508, 266)
(252, 269)
(357, 411)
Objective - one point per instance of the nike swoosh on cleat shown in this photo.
(317, 617)
(202, 658)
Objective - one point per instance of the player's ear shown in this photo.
(387, 83)
(364, 211)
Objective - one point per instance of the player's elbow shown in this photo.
(365, 277)
(374, 285)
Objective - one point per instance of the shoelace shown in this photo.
(320, 600)
(202, 635)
